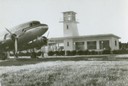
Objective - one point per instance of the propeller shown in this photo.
(14, 37)
(16, 46)
(46, 38)
(9, 31)
(48, 34)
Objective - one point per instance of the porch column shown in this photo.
(85, 45)
(97, 45)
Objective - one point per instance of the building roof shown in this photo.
(69, 12)
(85, 36)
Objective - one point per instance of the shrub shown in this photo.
(86, 52)
(68, 53)
(120, 51)
(93, 52)
(24, 54)
(62, 53)
(38, 53)
(80, 52)
(56, 53)
(73, 52)
(33, 55)
(51, 53)
(106, 51)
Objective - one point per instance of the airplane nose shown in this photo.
(45, 28)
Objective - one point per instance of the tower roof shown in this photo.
(69, 12)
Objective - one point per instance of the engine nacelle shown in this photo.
(39, 42)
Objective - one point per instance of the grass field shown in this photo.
(66, 73)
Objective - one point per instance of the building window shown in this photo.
(104, 44)
(67, 27)
(67, 43)
(115, 43)
(69, 17)
(91, 44)
(79, 45)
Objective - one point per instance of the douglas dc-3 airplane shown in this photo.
(22, 37)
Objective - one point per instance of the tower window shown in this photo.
(67, 27)
(67, 43)
(69, 17)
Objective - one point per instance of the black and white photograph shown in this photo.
(63, 42)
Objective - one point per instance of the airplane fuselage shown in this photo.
(24, 33)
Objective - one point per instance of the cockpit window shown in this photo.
(44, 24)
(34, 23)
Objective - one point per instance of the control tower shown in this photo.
(69, 24)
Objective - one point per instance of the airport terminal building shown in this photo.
(73, 41)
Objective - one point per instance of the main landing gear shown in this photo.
(33, 55)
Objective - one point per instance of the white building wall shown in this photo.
(72, 42)
(71, 45)
(112, 43)
(70, 29)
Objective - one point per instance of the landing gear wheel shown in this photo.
(33, 55)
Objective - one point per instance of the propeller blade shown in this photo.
(16, 46)
(9, 31)
(48, 34)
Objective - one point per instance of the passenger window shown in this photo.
(24, 30)
(34, 23)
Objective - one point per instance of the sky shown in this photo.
(94, 16)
